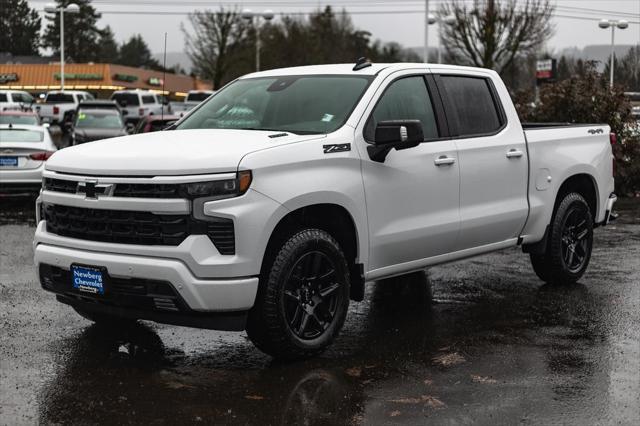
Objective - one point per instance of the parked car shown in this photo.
(15, 100)
(23, 152)
(154, 123)
(195, 97)
(14, 117)
(59, 106)
(136, 104)
(94, 124)
(271, 205)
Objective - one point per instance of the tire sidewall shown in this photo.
(561, 272)
(307, 241)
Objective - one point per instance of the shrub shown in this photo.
(587, 98)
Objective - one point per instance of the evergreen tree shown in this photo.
(81, 35)
(136, 53)
(108, 52)
(20, 28)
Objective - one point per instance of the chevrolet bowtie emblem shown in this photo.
(91, 189)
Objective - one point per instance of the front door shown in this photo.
(413, 196)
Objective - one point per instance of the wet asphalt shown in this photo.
(480, 341)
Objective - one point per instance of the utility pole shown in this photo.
(425, 54)
(71, 8)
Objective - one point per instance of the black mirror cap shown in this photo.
(398, 134)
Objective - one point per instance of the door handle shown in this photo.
(514, 153)
(444, 160)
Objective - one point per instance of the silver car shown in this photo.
(23, 151)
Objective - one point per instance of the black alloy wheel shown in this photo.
(311, 297)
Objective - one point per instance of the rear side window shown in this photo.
(148, 100)
(126, 99)
(3, 97)
(59, 98)
(404, 99)
(471, 105)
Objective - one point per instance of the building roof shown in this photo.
(92, 76)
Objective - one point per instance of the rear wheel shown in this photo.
(303, 297)
(570, 242)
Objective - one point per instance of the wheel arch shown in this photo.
(332, 218)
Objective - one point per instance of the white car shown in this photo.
(24, 150)
(136, 104)
(59, 106)
(269, 206)
(15, 100)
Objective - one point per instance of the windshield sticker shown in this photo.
(82, 116)
(327, 118)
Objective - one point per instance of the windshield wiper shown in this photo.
(295, 132)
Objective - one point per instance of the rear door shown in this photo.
(493, 160)
(413, 196)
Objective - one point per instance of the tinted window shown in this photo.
(158, 125)
(474, 108)
(3, 97)
(130, 99)
(59, 98)
(197, 97)
(296, 104)
(405, 99)
(98, 120)
(19, 135)
(148, 100)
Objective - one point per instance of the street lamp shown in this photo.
(441, 20)
(71, 8)
(604, 24)
(267, 15)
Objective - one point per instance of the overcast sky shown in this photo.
(389, 20)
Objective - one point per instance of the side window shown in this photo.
(148, 99)
(89, 97)
(404, 99)
(473, 106)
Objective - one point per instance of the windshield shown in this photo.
(126, 99)
(295, 104)
(98, 120)
(20, 135)
(59, 98)
(197, 97)
(19, 119)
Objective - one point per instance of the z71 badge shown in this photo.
(341, 147)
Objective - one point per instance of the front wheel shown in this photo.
(570, 243)
(303, 297)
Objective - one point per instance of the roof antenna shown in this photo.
(361, 63)
(164, 78)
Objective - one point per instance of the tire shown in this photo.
(302, 299)
(105, 320)
(569, 244)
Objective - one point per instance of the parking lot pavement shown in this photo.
(477, 341)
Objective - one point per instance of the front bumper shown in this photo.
(202, 295)
(18, 181)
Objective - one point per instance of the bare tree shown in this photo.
(492, 33)
(214, 41)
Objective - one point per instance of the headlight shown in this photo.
(220, 188)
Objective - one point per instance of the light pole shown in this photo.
(604, 24)
(440, 20)
(427, 18)
(71, 8)
(267, 15)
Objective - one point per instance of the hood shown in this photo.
(175, 152)
(94, 134)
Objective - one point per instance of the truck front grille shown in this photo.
(116, 226)
(132, 227)
(60, 185)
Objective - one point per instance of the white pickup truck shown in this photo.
(269, 206)
(59, 106)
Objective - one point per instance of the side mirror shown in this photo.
(398, 134)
